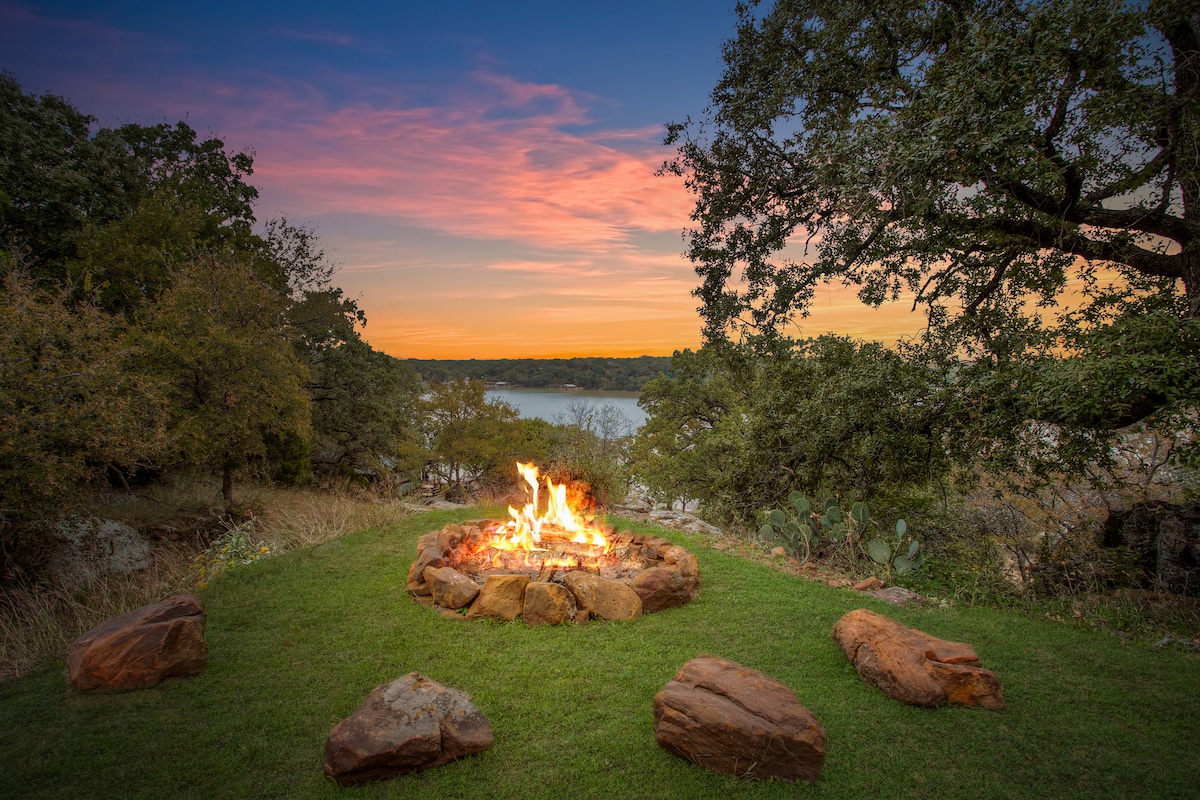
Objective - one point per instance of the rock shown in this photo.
(141, 648)
(914, 667)
(899, 596)
(659, 588)
(870, 584)
(778, 552)
(86, 548)
(548, 604)
(1166, 540)
(738, 721)
(410, 724)
(582, 616)
(449, 587)
(604, 598)
(426, 557)
(502, 597)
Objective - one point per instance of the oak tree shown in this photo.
(1026, 172)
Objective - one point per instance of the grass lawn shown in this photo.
(297, 641)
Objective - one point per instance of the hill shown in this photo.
(612, 374)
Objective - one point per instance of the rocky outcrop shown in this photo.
(411, 724)
(914, 667)
(738, 721)
(1166, 540)
(141, 648)
(603, 598)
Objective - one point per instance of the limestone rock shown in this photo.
(502, 597)
(449, 587)
(411, 724)
(141, 648)
(914, 667)
(660, 588)
(899, 596)
(604, 598)
(548, 604)
(738, 721)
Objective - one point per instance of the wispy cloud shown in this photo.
(495, 159)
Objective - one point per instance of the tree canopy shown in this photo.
(152, 322)
(1027, 172)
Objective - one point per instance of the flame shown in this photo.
(526, 529)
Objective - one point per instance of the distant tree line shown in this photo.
(611, 374)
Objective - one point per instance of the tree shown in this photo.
(1028, 170)
(822, 416)
(70, 406)
(592, 446)
(364, 410)
(218, 340)
(467, 434)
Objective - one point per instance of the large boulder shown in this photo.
(914, 667)
(449, 587)
(1166, 541)
(603, 598)
(411, 724)
(548, 604)
(737, 721)
(141, 648)
(502, 597)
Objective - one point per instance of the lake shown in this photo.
(552, 404)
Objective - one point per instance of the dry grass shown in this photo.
(40, 619)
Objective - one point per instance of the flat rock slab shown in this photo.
(410, 724)
(737, 721)
(914, 667)
(139, 649)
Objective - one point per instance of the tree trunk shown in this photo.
(227, 488)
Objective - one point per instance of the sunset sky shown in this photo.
(482, 172)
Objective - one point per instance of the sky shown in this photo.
(482, 173)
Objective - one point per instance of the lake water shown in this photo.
(552, 405)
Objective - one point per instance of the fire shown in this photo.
(527, 528)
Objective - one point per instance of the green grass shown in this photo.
(298, 640)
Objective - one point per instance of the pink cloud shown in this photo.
(500, 161)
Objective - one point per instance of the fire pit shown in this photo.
(551, 567)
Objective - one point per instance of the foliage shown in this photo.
(106, 221)
(1021, 171)
(835, 533)
(70, 407)
(467, 434)
(364, 411)
(615, 374)
(590, 445)
(65, 181)
(234, 547)
(822, 415)
(891, 556)
(218, 341)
